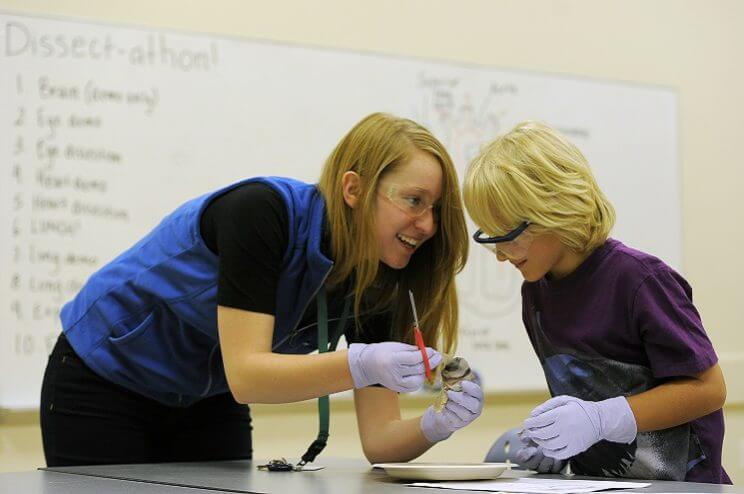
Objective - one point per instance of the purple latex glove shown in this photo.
(531, 456)
(565, 426)
(462, 408)
(397, 366)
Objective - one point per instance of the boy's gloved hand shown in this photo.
(462, 408)
(565, 426)
(397, 366)
(531, 456)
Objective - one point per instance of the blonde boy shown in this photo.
(637, 391)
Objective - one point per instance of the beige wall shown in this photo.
(287, 430)
(693, 46)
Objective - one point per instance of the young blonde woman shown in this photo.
(636, 385)
(220, 304)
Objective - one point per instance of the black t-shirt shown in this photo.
(248, 229)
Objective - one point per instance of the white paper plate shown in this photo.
(443, 471)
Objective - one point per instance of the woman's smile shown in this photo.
(408, 242)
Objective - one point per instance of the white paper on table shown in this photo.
(534, 486)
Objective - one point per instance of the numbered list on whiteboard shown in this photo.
(80, 130)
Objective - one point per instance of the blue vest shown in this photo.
(148, 319)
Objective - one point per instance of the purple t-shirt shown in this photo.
(622, 323)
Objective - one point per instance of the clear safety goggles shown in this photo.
(513, 244)
(411, 200)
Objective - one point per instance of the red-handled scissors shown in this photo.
(420, 338)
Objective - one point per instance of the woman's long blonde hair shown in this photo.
(534, 174)
(374, 147)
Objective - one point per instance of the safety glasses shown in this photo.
(411, 200)
(514, 244)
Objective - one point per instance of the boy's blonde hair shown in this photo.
(373, 148)
(534, 174)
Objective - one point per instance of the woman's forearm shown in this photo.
(267, 377)
(257, 375)
(385, 436)
(396, 441)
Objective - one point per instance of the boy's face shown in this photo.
(546, 254)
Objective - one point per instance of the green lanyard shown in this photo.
(324, 411)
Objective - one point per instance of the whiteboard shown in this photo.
(107, 128)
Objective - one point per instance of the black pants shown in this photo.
(87, 420)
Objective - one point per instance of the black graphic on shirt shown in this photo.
(665, 455)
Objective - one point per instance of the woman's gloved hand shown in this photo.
(397, 366)
(462, 408)
(531, 456)
(565, 426)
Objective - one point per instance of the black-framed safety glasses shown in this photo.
(513, 244)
